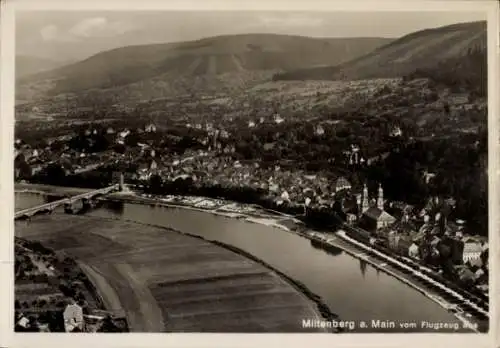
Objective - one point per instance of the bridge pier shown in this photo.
(86, 203)
(68, 208)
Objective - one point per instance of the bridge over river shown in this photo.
(67, 202)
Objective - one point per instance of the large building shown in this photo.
(375, 217)
(342, 184)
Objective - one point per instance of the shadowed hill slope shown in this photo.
(241, 56)
(420, 50)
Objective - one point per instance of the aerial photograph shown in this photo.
(251, 172)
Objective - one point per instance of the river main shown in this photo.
(349, 287)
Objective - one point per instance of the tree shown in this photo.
(155, 184)
(54, 174)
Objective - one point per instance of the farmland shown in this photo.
(166, 281)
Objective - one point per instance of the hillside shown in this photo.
(419, 50)
(28, 65)
(160, 67)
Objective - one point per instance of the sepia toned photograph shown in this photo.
(213, 171)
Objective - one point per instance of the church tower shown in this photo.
(365, 205)
(122, 182)
(380, 199)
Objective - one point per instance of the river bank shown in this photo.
(295, 226)
(211, 283)
(325, 312)
(228, 210)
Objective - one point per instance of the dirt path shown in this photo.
(148, 306)
(105, 290)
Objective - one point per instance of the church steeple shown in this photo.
(365, 205)
(380, 199)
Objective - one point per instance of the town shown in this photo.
(251, 182)
(222, 160)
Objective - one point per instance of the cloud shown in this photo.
(99, 27)
(290, 20)
(86, 28)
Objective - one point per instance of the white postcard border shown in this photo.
(7, 49)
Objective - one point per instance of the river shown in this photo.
(351, 288)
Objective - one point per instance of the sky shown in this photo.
(75, 35)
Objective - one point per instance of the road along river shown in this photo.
(351, 288)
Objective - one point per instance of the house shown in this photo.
(342, 184)
(391, 238)
(376, 218)
(450, 201)
(479, 273)
(459, 99)
(434, 244)
(351, 218)
(465, 274)
(396, 132)
(153, 166)
(414, 251)
(472, 251)
(278, 119)
(400, 236)
(150, 128)
(319, 130)
(401, 210)
(428, 176)
(268, 146)
(23, 323)
(285, 196)
(73, 318)
(124, 134)
(353, 154)
(402, 242)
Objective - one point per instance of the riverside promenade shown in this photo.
(405, 274)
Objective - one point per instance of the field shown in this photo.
(166, 281)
